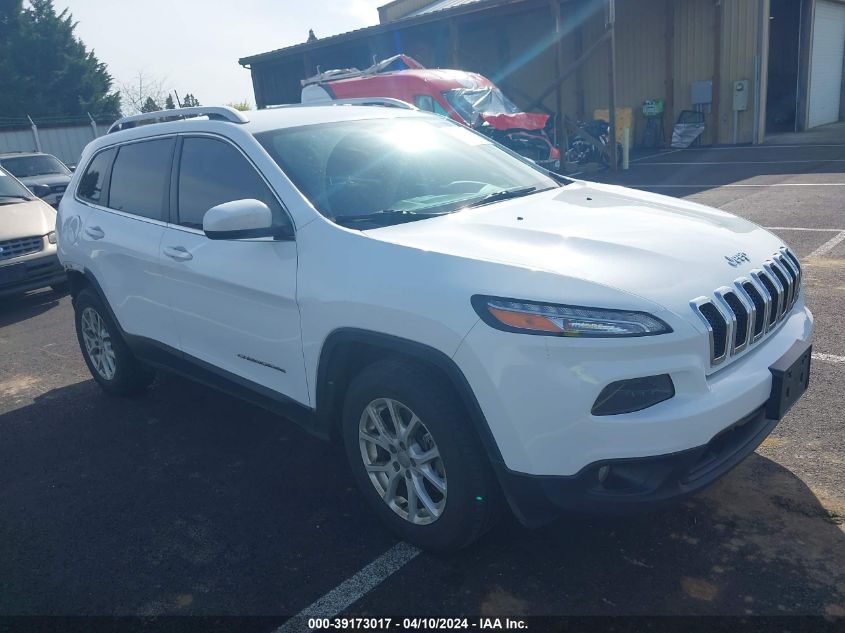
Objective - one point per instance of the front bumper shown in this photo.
(640, 483)
(31, 274)
(536, 393)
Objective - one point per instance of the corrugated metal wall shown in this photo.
(739, 47)
(641, 49)
(65, 142)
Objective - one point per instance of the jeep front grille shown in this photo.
(740, 315)
(20, 246)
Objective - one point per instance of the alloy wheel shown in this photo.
(98, 343)
(402, 461)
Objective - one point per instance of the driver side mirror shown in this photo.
(42, 191)
(241, 219)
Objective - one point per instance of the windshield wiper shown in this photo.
(504, 194)
(387, 215)
(15, 195)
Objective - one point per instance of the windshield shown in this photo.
(40, 165)
(472, 102)
(11, 190)
(398, 168)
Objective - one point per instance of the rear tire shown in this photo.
(441, 503)
(109, 360)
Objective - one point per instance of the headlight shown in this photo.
(51, 237)
(551, 319)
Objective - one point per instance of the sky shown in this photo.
(194, 45)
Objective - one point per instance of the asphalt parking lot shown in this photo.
(187, 501)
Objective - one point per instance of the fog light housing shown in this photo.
(633, 394)
(51, 237)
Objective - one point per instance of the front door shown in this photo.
(233, 301)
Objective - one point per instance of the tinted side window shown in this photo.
(141, 177)
(212, 172)
(92, 181)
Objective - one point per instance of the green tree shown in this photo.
(190, 101)
(243, 106)
(168, 103)
(45, 70)
(150, 106)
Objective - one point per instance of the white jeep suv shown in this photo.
(475, 330)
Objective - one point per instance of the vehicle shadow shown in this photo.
(20, 308)
(187, 501)
(758, 542)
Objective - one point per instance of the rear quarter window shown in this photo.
(93, 180)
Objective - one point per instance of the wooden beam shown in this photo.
(571, 69)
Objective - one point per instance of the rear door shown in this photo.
(129, 200)
(234, 301)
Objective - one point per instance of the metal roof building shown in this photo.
(558, 56)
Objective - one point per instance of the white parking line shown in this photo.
(747, 162)
(735, 147)
(829, 358)
(828, 246)
(716, 186)
(800, 228)
(636, 160)
(353, 588)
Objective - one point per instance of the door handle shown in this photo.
(178, 253)
(95, 232)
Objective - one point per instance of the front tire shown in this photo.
(415, 457)
(109, 360)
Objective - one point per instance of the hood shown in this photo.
(46, 179)
(662, 249)
(26, 219)
(517, 120)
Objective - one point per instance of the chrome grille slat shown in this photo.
(787, 265)
(739, 316)
(755, 295)
(20, 246)
(787, 280)
(779, 279)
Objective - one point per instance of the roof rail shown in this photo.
(217, 113)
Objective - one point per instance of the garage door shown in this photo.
(826, 62)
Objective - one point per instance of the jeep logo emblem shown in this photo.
(736, 260)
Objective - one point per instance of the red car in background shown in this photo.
(466, 97)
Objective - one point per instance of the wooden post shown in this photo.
(669, 101)
(611, 26)
(561, 132)
(306, 64)
(717, 72)
(579, 75)
(454, 44)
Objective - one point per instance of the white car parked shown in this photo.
(473, 328)
(28, 258)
